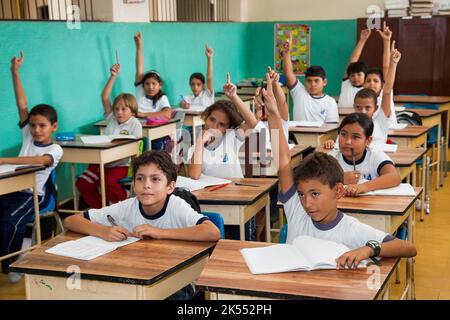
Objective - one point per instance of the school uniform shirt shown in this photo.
(145, 103)
(348, 93)
(381, 126)
(131, 127)
(202, 101)
(369, 165)
(393, 116)
(264, 125)
(31, 148)
(344, 229)
(310, 108)
(130, 214)
(222, 161)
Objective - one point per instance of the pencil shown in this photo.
(354, 161)
(246, 184)
(218, 187)
(117, 56)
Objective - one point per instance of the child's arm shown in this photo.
(281, 154)
(206, 231)
(195, 167)
(106, 94)
(390, 80)
(288, 70)
(21, 97)
(393, 248)
(249, 118)
(365, 34)
(166, 112)
(44, 160)
(386, 35)
(79, 224)
(139, 57)
(278, 92)
(209, 71)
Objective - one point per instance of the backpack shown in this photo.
(189, 197)
(409, 117)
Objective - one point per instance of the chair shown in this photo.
(217, 219)
(283, 234)
(126, 182)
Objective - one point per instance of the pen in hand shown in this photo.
(114, 224)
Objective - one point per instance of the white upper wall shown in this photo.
(130, 12)
(292, 10)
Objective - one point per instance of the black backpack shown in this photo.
(409, 117)
(189, 197)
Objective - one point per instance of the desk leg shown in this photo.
(241, 226)
(438, 160)
(36, 214)
(74, 188)
(268, 226)
(423, 180)
(410, 261)
(102, 183)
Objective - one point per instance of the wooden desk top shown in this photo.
(295, 151)
(227, 272)
(422, 99)
(237, 195)
(101, 146)
(378, 205)
(21, 172)
(143, 263)
(104, 123)
(346, 111)
(327, 127)
(405, 157)
(425, 113)
(409, 131)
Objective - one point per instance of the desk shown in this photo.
(101, 154)
(250, 89)
(226, 276)
(410, 137)
(237, 204)
(17, 181)
(193, 119)
(315, 136)
(147, 269)
(343, 112)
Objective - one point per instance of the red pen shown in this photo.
(219, 187)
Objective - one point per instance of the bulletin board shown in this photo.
(300, 50)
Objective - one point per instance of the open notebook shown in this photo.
(313, 124)
(404, 189)
(385, 147)
(305, 254)
(6, 168)
(398, 126)
(106, 138)
(203, 182)
(87, 248)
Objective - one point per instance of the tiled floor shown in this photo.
(432, 264)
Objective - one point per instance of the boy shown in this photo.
(310, 103)
(155, 212)
(355, 74)
(310, 200)
(17, 209)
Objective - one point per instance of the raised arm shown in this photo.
(386, 35)
(209, 70)
(390, 80)
(249, 118)
(278, 92)
(288, 70)
(21, 98)
(139, 57)
(281, 154)
(106, 93)
(356, 54)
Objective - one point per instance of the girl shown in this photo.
(202, 96)
(152, 101)
(374, 169)
(121, 117)
(217, 150)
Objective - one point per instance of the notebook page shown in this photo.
(404, 189)
(314, 124)
(388, 148)
(203, 182)
(95, 139)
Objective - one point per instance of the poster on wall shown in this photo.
(300, 50)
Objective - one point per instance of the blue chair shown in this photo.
(217, 219)
(283, 233)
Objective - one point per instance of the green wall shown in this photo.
(68, 68)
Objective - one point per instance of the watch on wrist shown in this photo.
(375, 245)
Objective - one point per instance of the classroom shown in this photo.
(224, 150)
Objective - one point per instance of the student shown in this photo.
(202, 97)
(310, 103)
(121, 120)
(152, 101)
(354, 75)
(17, 209)
(374, 169)
(216, 152)
(310, 197)
(154, 213)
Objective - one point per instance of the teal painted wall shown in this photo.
(68, 68)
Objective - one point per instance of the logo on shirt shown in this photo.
(124, 131)
(323, 112)
(225, 158)
(368, 177)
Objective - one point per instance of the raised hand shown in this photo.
(209, 51)
(269, 98)
(115, 70)
(365, 34)
(274, 76)
(386, 33)
(286, 46)
(138, 38)
(229, 89)
(16, 63)
(395, 54)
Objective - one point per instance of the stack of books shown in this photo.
(443, 7)
(422, 7)
(397, 8)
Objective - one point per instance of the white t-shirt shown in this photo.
(223, 160)
(348, 93)
(344, 229)
(31, 148)
(309, 108)
(129, 214)
(132, 127)
(202, 101)
(264, 125)
(146, 104)
(393, 116)
(369, 165)
(381, 125)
